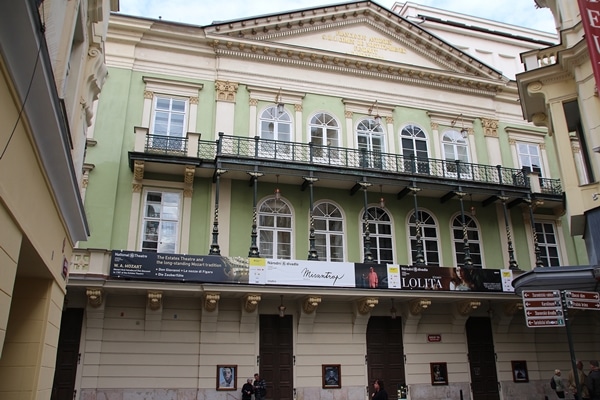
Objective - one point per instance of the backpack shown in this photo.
(553, 383)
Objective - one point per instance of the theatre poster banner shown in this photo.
(134, 265)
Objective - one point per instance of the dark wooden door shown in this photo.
(385, 354)
(67, 355)
(277, 356)
(482, 359)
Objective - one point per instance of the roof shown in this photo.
(579, 277)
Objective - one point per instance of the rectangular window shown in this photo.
(160, 226)
(529, 156)
(548, 243)
(168, 128)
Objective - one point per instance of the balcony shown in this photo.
(331, 163)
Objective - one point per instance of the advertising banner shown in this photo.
(590, 18)
(262, 271)
(303, 273)
(178, 267)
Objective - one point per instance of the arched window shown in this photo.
(370, 143)
(429, 238)
(455, 147)
(414, 149)
(329, 232)
(474, 240)
(325, 136)
(275, 126)
(275, 229)
(380, 231)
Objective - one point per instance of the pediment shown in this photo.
(359, 36)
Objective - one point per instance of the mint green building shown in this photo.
(328, 191)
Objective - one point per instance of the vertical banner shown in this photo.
(590, 18)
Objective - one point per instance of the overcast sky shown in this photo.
(204, 12)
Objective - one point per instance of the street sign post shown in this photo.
(543, 308)
(583, 300)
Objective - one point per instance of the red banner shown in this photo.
(590, 17)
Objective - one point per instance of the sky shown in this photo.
(205, 12)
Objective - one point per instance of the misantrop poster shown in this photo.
(261, 271)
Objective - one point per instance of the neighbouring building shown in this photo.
(558, 91)
(52, 69)
(324, 196)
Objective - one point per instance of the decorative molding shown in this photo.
(298, 107)
(540, 119)
(226, 91)
(211, 301)
(95, 296)
(513, 308)
(188, 193)
(367, 304)
(417, 306)
(138, 170)
(251, 302)
(348, 114)
(310, 304)
(253, 102)
(466, 307)
(194, 100)
(189, 174)
(154, 300)
(136, 188)
(434, 126)
(148, 94)
(490, 127)
(389, 120)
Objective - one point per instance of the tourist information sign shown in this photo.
(543, 308)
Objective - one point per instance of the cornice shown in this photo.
(349, 65)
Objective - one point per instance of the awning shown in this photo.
(580, 277)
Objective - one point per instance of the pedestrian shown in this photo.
(585, 393)
(247, 390)
(380, 393)
(559, 386)
(593, 380)
(260, 387)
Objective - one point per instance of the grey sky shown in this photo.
(202, 12)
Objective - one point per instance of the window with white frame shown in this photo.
(160, 221)
(275, 127)
(275, 229)
(371, 143)
(415, 149)
(329, 232)
(429, 238)
(325, 135)
(380, 234)
(455, 148)
(548, 243)
(473, 240)
(529, 156)
(168, 123)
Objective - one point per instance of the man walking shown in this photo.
(585, 394)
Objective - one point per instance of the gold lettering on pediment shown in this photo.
(363, 45)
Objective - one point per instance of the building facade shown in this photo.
(323, 196)
(52, 69)
(559, 91)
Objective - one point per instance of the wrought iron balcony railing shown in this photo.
(314, 154)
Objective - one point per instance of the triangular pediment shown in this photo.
(359, 36)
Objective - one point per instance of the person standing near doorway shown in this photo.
(380, 393)
(260, 387)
